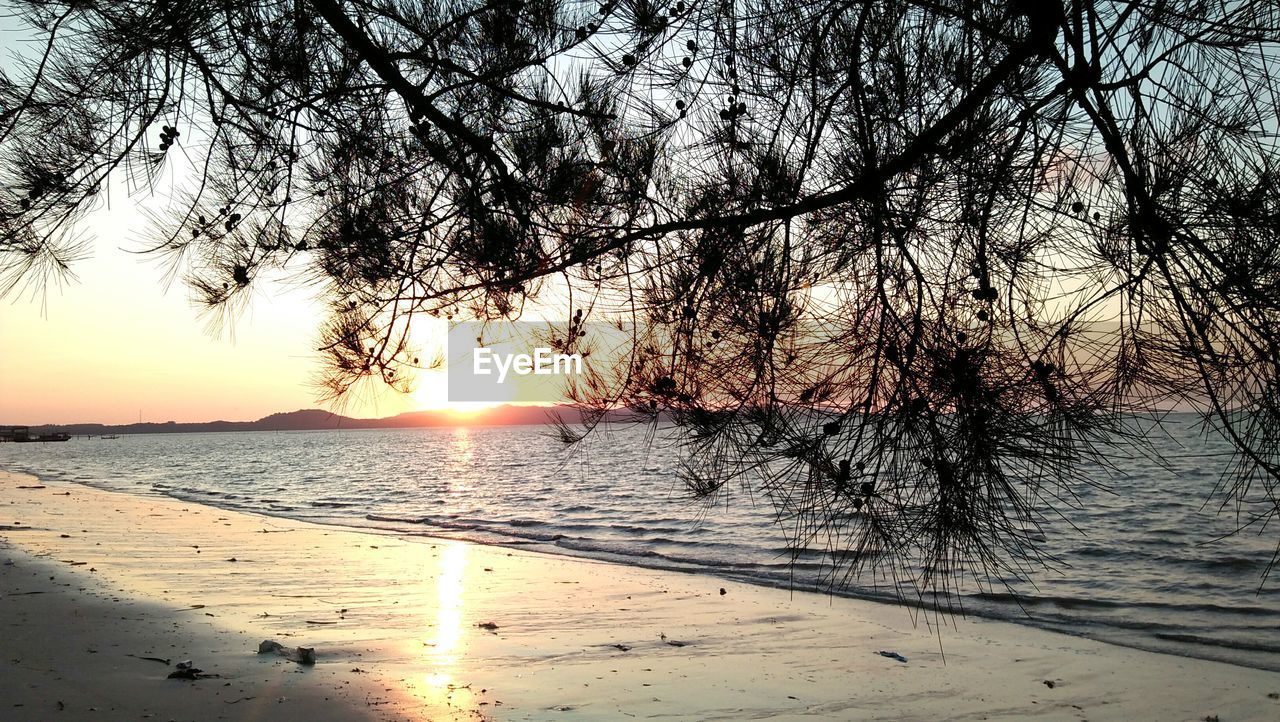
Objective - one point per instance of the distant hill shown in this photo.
(319, 419)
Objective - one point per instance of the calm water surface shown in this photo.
(1142, 568)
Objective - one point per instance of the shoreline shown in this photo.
(394, 621)
(1117, 569)
(1193, 648)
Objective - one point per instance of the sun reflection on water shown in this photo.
(461, 453)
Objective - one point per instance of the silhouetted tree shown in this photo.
(901, 265)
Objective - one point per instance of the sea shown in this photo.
(1143, 559)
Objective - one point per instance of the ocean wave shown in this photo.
(1027, 600)
(1248, 644)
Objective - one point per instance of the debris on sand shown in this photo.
(234, 701)
(893, 655)
(187, 670)
(1049, 683)
(301, 655)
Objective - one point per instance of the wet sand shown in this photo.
(100, 580)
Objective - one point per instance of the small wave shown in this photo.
(1080, 602)
(395, 519)
(634, 530)
(1251, 645)
(1234, 563)
(452, 523)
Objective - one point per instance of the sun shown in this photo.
(469, 409)
(431, 393)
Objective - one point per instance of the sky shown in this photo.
(117, 343)
(114, 344)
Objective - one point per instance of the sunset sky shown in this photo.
(114, 342)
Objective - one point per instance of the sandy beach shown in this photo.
(103, 593)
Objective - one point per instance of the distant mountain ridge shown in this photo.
(319, 419)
